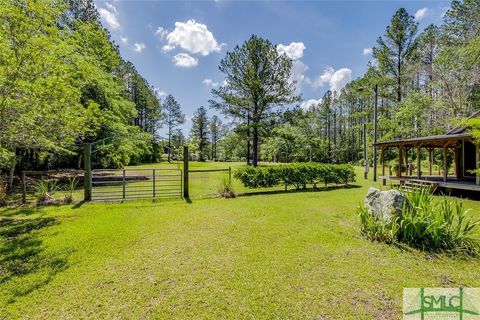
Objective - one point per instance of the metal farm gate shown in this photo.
(129, 184)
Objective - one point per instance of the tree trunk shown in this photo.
(399, 76)
(10, 177)
(248, 138)
(255, 146)
(169, 143)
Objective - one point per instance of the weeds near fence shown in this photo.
(70, 188)
(429, 225)
(44, 190)
(226, 189)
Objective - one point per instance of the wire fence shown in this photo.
(206, 183)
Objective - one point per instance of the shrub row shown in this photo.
(295, 174)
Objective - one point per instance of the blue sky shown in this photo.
(177, 45)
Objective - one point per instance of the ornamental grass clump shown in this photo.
(225, 189)
(428, 225)
(70, 188)
(44, 190)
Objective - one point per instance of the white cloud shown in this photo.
(294, 50)
(210, 83)
(336, 79)
(167, 48)
(421, 13)
(124, 40)
(307, 104)
(138, 47)
(161, 33)
(339, 79)
(367, 51)
(322, 79)
(109, 15)
(111, 7)
(184, 60)
(160, 93)
(193, 37)
(297, 73)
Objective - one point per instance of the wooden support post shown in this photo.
(445, 165)
(123, 184)
(186, 193)
(384, 181)
(365, 160)
(24, 184)
(419, 164)
(400, 161)
(87, 171)
(477, 155)
(153, 182)
(430, 161)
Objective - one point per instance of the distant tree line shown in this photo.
(427, 82)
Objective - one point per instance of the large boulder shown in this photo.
(384, 205)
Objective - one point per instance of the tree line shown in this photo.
(427, 83)
(63, 83)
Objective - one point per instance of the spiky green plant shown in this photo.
(70, 188)
(44, 190)
(428, 224)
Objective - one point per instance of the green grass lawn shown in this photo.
(294, 255)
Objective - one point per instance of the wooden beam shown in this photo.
(400, 161)
(384, 181)
(419, 164)
(430, 160)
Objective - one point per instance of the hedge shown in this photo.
(295, 174)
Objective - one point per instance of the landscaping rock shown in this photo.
(384, 205)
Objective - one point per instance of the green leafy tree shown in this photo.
(257, 82)
(173, 117)
(217, 132)
(395, 47)
(39, 94)
(200, 130)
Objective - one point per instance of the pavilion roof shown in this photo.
(444, 140)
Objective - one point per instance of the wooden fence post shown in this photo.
(229, 175)
(186, 193)
(87, 171)
(154, 183)
(123, 183)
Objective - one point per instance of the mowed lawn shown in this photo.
(294, 255)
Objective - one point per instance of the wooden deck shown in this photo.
(451, 183)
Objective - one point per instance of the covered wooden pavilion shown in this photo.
(459, 141)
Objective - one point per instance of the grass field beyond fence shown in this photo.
(280, 255)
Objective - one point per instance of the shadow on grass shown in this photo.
(318, 189)
(22, 255)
